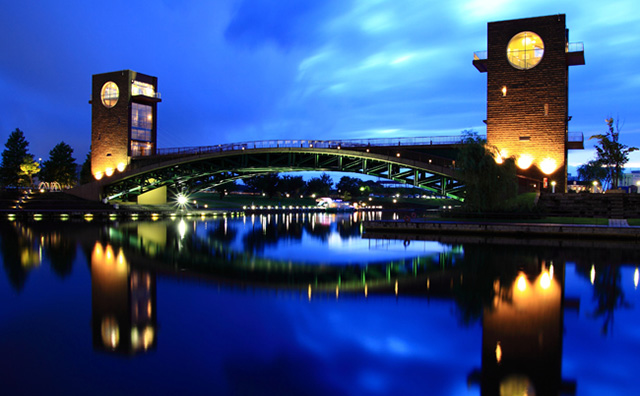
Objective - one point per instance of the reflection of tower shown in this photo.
(522, 337)
(527, 93)
(123, 120)
(123, 304)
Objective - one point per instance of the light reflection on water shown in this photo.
(271, 305)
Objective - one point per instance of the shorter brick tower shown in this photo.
(527, 70)
(123, 120)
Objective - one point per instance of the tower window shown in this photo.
(546, 109)
(141, 122)
(140, 149)
(525, 138)
(140, 88)
(504, 90)
(109, 94)
(525, 50)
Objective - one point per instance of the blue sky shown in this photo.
(242, 70)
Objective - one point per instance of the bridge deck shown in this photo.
(327, 144)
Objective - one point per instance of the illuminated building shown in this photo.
(123, 303)
(123, 120)
(527, 64)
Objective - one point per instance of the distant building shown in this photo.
(123, 120)
(527, 70)
(630, 180)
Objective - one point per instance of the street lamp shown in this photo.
(595, 186)
(553, 186)
(638, 187)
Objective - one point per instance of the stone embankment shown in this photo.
(609, 206)
(523, 230)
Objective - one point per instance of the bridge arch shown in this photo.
(199, 168)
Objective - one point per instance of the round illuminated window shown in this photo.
(109, 94)
(525, 50)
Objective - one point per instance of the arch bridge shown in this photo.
(425, 162)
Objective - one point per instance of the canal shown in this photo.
(304, 304)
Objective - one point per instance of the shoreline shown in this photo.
(510, 230)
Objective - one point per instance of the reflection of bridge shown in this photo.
(426, 162)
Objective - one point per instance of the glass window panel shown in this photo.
(141, 122)
(525, 50)
(140, 149)
(140, 88)
(109, 94)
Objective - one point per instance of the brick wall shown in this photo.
(536, 103)
(110, 126)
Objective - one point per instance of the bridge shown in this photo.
(424, 162)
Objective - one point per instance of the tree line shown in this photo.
(19, 168)
(274, 184)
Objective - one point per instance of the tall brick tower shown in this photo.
(123, 120)
(527, 64)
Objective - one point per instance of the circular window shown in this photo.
(109, 94)
(525, 50)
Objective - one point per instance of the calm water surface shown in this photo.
(305, 305)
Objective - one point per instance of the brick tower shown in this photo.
(527, 64)
(123, 120)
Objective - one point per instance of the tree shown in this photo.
(291, 184)
(349, 185)
(223, 183)
(592, 171)
(61, 166)
(13, 155)
(320, 185)
(487, 183)
(28, 168)
(85, 172)
(612, 154)
(266, 184)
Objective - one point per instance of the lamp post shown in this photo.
(553, 187)
(638, 187)
(595, 186)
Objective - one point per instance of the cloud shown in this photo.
(284, 23)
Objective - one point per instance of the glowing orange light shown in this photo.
(498, 352)
(524, 161)
(545, 280)
(548, 166)
(521, 282)
(121, 166)
(108, 171)
(98, 175)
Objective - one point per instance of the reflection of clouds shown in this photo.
(356, 250)
(383, 347)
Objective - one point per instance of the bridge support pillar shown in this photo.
(157, 196)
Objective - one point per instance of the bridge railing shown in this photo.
(304, 143)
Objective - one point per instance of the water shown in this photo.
(304, 305)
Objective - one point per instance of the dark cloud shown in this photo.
(284, 23)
